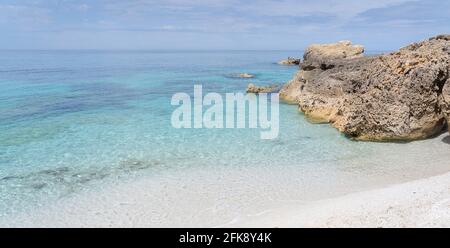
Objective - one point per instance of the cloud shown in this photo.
(245, 23)
(24, 16)
(338, 8)
(82, 7)
(431, 12)
(203, 15)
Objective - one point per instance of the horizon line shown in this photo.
(165, 50)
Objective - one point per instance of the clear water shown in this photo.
(70, 120)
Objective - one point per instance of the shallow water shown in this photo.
(73, 121)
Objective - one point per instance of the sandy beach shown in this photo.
(420, 203)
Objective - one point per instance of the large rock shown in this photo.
(320, 57)
(324, 56)
(396, 96)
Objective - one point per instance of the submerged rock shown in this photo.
(251, 88)
(289, 61)
(402, 95)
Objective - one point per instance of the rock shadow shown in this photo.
(446, 140)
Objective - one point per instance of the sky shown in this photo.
(218, 24)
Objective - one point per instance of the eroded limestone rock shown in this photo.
(395, 96)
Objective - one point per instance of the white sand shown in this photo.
(408, 186)
(421, 203)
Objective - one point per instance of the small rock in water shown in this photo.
(10, 178)
(55, 172)
(290, 61)
(38, 186)
(251, 88)
(246, 75)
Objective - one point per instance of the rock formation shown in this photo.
(290, 61)
(445, 101)
(246, 75)
(320, 57)
(251, 88)
(325, 56)
(403, 95)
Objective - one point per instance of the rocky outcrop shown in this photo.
(445, 100)
(290, 92)
(290, 61)
(251, 88)
(320, 57)
(327, 55)
(403, 95)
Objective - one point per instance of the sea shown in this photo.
(86, 120)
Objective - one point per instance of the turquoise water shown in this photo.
(72, 119)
